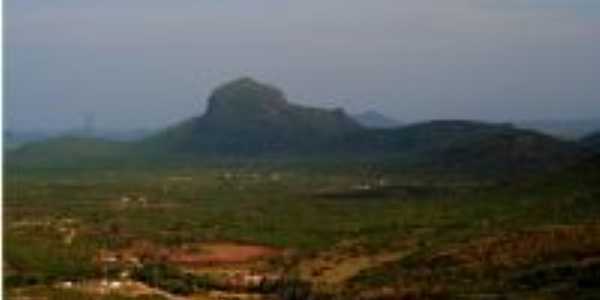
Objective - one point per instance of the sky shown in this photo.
(150, 64)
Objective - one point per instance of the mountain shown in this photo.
(245, 117)
(374, 119)
(247, 120)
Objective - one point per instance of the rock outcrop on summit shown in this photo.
(248, 117)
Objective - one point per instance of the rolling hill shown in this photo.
(459, 144)
(592, 142)
(68, 152)
(567, 129)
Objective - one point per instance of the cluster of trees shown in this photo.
(33, 261)
(175, 281)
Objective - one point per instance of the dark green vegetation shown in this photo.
(556, 258)
(592, 142)
(173, 280)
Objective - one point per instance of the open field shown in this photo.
(219, 233)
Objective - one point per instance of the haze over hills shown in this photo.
(69, 152)
(14, 139)
(374, 119)
(249, 119)
(568, 129)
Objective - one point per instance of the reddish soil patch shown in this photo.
(221, 253)
(210, 254)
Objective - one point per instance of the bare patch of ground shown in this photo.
(136, 289)
(92, 289)
(128, 288)
(198, 255)
(232, 265)
(221, 253)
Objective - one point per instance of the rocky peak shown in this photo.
(245, 96)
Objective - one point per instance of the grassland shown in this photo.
(341, 233)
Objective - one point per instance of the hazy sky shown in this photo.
(148, 63)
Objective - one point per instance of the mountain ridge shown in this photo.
(246, 119)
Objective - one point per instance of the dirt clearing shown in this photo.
(221, 253)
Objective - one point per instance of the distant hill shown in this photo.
(592, 142)
(68, 152)
(466, 144)
(568, 129)
(14, 139)
(122, 135)
(374, 119)
(246, 119)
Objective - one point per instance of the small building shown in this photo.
(115, 284)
